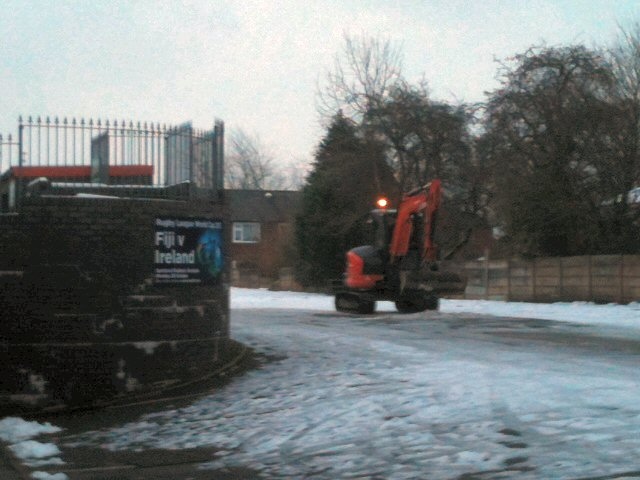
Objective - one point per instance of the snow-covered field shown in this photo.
(433, 395)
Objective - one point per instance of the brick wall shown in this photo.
(111, 332)
(102, 235)
(259, 264)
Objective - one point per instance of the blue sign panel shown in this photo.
(188, 251)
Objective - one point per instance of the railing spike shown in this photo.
(39, 120)
(48, 120)
(106, 123)
(73, 121)
(82, 121)
(64, 121)
(30, 119)
(20, 119)
(91, 121)
(56, 120)
(98, 123)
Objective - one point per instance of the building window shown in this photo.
(246, 232)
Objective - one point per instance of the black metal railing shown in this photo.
(8, 151)
(121, 156)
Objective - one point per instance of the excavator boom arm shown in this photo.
(425, 200)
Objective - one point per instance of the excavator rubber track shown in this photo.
(423, 293)
(351, 302)
(442, 283)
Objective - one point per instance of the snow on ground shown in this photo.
(575, 312)
(398, 397)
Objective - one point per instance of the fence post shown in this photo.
(561, 278)
(621, 278)
(590, 274)
(18, 180)
(192, 178)
(485, 276)
(219, 156)
(508, 280)
(164, 146)
(534, 279)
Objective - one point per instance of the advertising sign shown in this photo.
(188, 251)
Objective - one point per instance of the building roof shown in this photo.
(264, 206)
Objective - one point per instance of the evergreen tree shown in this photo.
(348, 174)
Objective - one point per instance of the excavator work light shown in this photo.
(382, 202)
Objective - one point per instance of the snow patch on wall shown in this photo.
(18, 432)
(48, 476)
(14, 429)
(148, 347)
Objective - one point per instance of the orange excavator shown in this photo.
(401, 264)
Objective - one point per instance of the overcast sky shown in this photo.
(256, 64)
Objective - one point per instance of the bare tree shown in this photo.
(364, 72)
(295, 173)
(421, 139)
(625, 58)
(250, 165)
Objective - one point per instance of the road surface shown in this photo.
(388, 396)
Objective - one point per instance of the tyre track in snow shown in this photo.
(435, 395)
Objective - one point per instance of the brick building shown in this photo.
(262, 234)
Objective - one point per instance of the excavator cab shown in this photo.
(382, 222)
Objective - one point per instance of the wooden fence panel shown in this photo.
(547, 274)
(575, 278)
(606, 278)
(521, 274)
(476, 281)
(498, 287)
(599, 278)
(631, 278)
